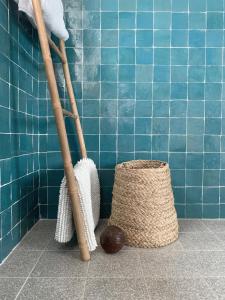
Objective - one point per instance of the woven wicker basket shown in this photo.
(143, 203)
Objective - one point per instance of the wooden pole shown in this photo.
(72, 100)
(57, 108)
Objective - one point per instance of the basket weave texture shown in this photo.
(143, 203)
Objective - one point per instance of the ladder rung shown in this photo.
(69, 114)
(56, 49)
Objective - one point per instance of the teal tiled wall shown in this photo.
(19, 143)
(149, 82)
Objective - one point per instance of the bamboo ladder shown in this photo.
(59, 112)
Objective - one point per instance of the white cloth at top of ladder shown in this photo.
(53, 14)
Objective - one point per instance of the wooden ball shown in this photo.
(112, 239)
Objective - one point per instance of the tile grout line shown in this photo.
(42, 252)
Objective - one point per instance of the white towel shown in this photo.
(52, 13)
(89, 192)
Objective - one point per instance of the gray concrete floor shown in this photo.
(191, 268)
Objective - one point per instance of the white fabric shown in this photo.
(89, 192)
(52, 14)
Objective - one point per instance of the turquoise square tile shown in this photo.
(179, 20)
(178, 108)
(160, 143)
(143, 109)
(161, 74)
(178, 178)
(199, 5)
(126, 73)
(109, 5)
(143, 125)
(177, 161)
(162, 20)
(194, 195)
(211, 195)
(213, 91)
(161, 5)
(197, 21)
(179, 90)
(144, 38)
(213, 56)
(126, 126)
(214, 20)
(160, 108)
(213, 74)
(216, 5)
(212, 143)
(197, 56)
(162, 38)
(126, 108)
(179, 38)
(195, 126)
(107, 142)
(179, 195)
(179, 56)
(178, 5)
(196, 38)
(160, 125)
(127, 20)
(109, 56)
(91, 20)
(126, 38)
(143, 73)
(126, 55)
(177, 143)
(108, 73)
(214, 38)
(211, 211)
(179, 74)
(91, 5)
(211, 177)
(144, 5)
(194, 161)
(126, 90)
(142, 143)
(161, 91)
(194, 211)
(125, 143)
(143, 91)
(162, 56)
(108, 125)
(109, 20)
(109, 90)
(196, 91)
(107, 160)
(196, 109)
(144, 20)
(108, 108)
(127, 5)
(212, 109)
(177, 126)
(196, 74)
(91, 38)
(109, 38)
(144, 56)
(213, 126)
(194, 177)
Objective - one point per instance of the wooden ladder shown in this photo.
(59, 113)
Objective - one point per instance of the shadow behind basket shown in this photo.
(143, 203)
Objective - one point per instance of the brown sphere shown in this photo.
(112, 239)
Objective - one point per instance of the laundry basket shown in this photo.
(143, 203)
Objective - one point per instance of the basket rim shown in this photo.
(140, 164)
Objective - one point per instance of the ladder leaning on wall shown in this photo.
(59, 112)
